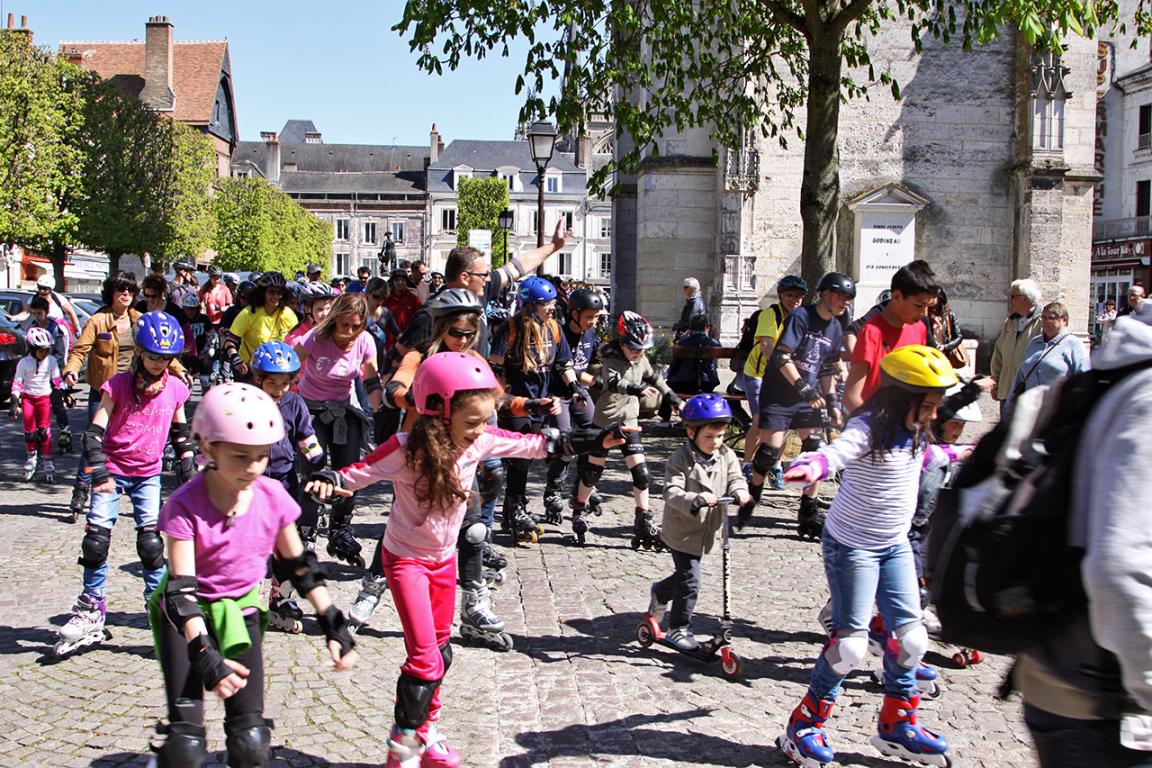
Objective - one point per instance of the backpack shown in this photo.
(1004, 573)
(748, 337)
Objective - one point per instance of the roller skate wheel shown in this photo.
(959, 659)
(506, 641)
(931, 691)
(644, 634)
(358, 561)
(498, 577)
(730, 663)
(975, 657)
(636, 543)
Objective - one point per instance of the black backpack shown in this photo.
(1004, 574)
(748, 337)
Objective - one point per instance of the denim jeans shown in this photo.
(488, 505)
(680, 589)
(857, 577)
(145, 495)
(1062, 742)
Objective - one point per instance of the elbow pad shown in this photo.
(305, 572)
(181, 437)
(180, 601)
(780, 357)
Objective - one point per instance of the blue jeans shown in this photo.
(488, 506)
(856, 578)
(105, 509)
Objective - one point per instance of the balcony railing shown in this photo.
(1143, 141)
(1120, 229)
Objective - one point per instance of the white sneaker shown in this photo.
(931, 621)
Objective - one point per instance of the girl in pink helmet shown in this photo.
(431, 469)
(207, 619)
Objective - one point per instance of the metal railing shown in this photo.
(1120, 229)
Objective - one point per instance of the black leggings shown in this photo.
(339, 457)
(517, 478)
(571, 417)
(185, 689)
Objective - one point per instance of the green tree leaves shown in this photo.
(260, 228)
(479, 204)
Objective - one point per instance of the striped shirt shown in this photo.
(877, 497)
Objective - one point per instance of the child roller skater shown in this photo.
(882, 452)
(431, 469)
(123, 452)
(37, 377)
(627, 376)
(274, 369)
(206, 619)
(701, 471)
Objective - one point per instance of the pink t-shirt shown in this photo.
(230, 559)
(414, 531)
(138, 429)
(298, 333)
(328, 371)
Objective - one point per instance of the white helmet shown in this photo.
(38, 338)
(46, 281)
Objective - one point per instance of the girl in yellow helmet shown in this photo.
(882, 451)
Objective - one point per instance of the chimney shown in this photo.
(434, 146)
(582, 150)
(11, 20)
(271, 156)
(157, 93)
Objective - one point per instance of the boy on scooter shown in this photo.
(699, 473)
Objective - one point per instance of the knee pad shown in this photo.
(94, 546)
(30, 438)
(633, 446)
(846, 651)
(590, 473)
(42, 434)
(473, 534)
(491, 480)
(249, 738)
(150, 547)
(911, 644)
(185, 747)
(811, 443)
(446, 654)
(413, 698)
(764, 459)
(640, 476)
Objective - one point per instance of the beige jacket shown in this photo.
(686, 528)
(1009, 352)
(614, 404)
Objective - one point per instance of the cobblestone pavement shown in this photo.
(577, 690)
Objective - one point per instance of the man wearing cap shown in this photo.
(314, 271)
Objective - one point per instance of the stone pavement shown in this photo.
(577, 690)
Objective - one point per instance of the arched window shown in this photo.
(1049, 95)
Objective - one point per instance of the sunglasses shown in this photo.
(460, 333)
(124, 289)
(43, 289)
(155, 357)
(481, 275)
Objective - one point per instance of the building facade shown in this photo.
(984, 168)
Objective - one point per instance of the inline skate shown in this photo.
(899, 735)
(49, 470)
(810, 519)
(518, 522)
(85, 627)
(579, 521)
(64, 439)
(372, 589)
(342, 545)
(596, 503)
(478, 622)
(283, 613)
(645, 532)
(78, 506)
(804, 742)
(30, 466)
(308, 537)
(553, 505)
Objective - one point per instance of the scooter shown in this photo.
(649, 632)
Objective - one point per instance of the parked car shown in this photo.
(12, 302)
(12, 348)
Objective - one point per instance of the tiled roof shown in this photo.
(294, 130)
(489, 155)
(341, 168)
(197, 68)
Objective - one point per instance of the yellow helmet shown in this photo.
(917, 368)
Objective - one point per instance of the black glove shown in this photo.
(806, 391)
(186, 469)
(541, 406)
(328, 476)
(580, 394)
(335, 627)
(208, 661)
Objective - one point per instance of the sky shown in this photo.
(335, 62)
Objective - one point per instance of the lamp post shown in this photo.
(506, 220)
(542, 140)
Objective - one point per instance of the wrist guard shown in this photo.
(305, 572)
(541, 406)
(579, 392)
(391, 390)
(208, 661)
(636, 390)
(335, 627)
(675, 399)
(235, 360)
(180, 602)
(563, 444)
(698, 503)
(806, 390)
(328, 476)
(831, 404)
(95, 462)
(372, 385)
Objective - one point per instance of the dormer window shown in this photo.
(511, 177)
(460, 172)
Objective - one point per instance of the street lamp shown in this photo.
(542, 140)
(506, 220)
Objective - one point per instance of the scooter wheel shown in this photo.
(358, 561)
(644, 634)
(975, 657)
(960, 659)
(730, 663)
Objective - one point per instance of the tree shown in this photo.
(186, 214)
(732, 67)
(479, 204)
(259, 228)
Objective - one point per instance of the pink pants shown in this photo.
(37, 415)
(425, 597)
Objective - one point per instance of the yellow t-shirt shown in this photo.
(767, 327)
(255, 328)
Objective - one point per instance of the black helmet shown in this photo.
(453, 301)
(791, 283)
(245, 288)
(185, 264)
(214, 271)
(838, 281)
(585, 298)
(634, 330)
(271, 280)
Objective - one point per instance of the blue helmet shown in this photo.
(160, 334)
(275, 357)
(702, 409)
(536, 289)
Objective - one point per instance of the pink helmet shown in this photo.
(238, 413)
(446, 373)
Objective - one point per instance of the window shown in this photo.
(605, 265)
(448, 220)
(1144, 137)
(535, 219)
(1143, 198)
(342, 261)
(564, 263)
(552, 184)
(342, 229)
(568, 220)
(398, 231)
(368, 263)
(1049, 95)
(370, 232)
(605, 226)
(511, 179)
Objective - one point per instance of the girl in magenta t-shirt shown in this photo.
(208, 622)
(332, 355)
(431, 469)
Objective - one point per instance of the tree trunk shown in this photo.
(57, 257)
(114, 262)
(820, 190)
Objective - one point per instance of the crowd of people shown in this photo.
(449, 387)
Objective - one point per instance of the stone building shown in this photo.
(985, 168)
(372, 194)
